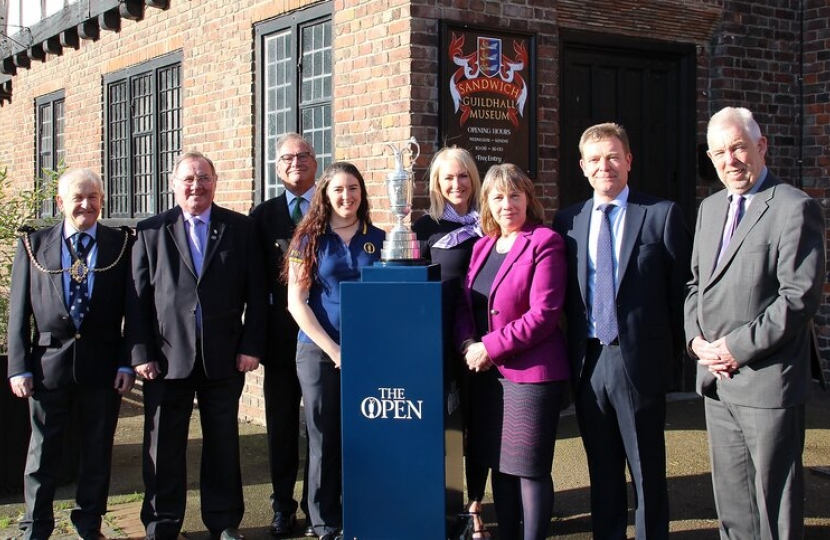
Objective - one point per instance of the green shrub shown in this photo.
(19, 208)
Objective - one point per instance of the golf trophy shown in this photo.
(401, 247)
(401, 427)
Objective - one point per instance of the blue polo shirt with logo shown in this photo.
(336, 263)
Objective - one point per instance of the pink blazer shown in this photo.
(526, 299)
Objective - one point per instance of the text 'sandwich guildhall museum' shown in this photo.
(123, 86)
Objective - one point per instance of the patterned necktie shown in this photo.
(79, 292)
(604, 308)
(297, 211)
(736, 212)
(197, 253)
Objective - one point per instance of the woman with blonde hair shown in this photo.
(447, 234)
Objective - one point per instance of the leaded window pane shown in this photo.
(50, 149)
(295, 85)
(144, 130)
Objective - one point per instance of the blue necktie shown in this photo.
(198, 251)
(604, 308)
(79, 292)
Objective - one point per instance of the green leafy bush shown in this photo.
(19, 208)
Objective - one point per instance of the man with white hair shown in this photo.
(67, 350)
(757, 279)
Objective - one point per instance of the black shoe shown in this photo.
(332, 536)
(93, 535)
(231, 534)
(283, 524)
(309, 531)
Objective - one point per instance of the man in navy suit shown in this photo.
(195, 326)
(66, 350)
(625, 334)
(276, 220)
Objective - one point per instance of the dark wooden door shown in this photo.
(646, 87)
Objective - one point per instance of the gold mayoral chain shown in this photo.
(78, 270)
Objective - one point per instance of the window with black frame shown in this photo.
(143, 136)
(50, 153)
(294, 68)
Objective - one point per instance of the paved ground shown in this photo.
(692, 509)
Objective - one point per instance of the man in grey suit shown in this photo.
(757, 277)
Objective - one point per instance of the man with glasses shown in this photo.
(276, 220)
(195, 326)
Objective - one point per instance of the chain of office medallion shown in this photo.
(28, 245)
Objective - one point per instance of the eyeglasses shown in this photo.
(203, 180)
(302, 157)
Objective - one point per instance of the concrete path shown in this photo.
(692, 507)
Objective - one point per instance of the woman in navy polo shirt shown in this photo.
(331, 244)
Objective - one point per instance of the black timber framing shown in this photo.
(76, 18)
(53, 46)
(110, 20)
(132, 10)
(69, 38)
(65, 29)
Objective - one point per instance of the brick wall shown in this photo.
(386, 84)
(216, 40)
(816, 161)
(755, 60)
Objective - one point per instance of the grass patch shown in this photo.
(64, 505)
(126, 498)
(5, 522)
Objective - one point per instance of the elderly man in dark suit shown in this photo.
(628, 262)
(66, 350)
(195, 326)
(757, 278)
(275, 220)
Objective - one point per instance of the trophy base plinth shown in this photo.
(402, 262)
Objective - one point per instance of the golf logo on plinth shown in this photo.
(392, 404)
(401, 246)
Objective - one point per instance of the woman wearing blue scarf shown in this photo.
(447, 234)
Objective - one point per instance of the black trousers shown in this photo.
(281, 390)
(51, 411)
(168, 406)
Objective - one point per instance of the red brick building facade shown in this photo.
(121, 86)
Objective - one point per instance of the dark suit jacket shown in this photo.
(161, 315)
(275, 227)
(42, 337)
(761, 296)
(653, 270)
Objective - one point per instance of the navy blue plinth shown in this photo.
(402, 457)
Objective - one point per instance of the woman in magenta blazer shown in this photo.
(508, 330)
